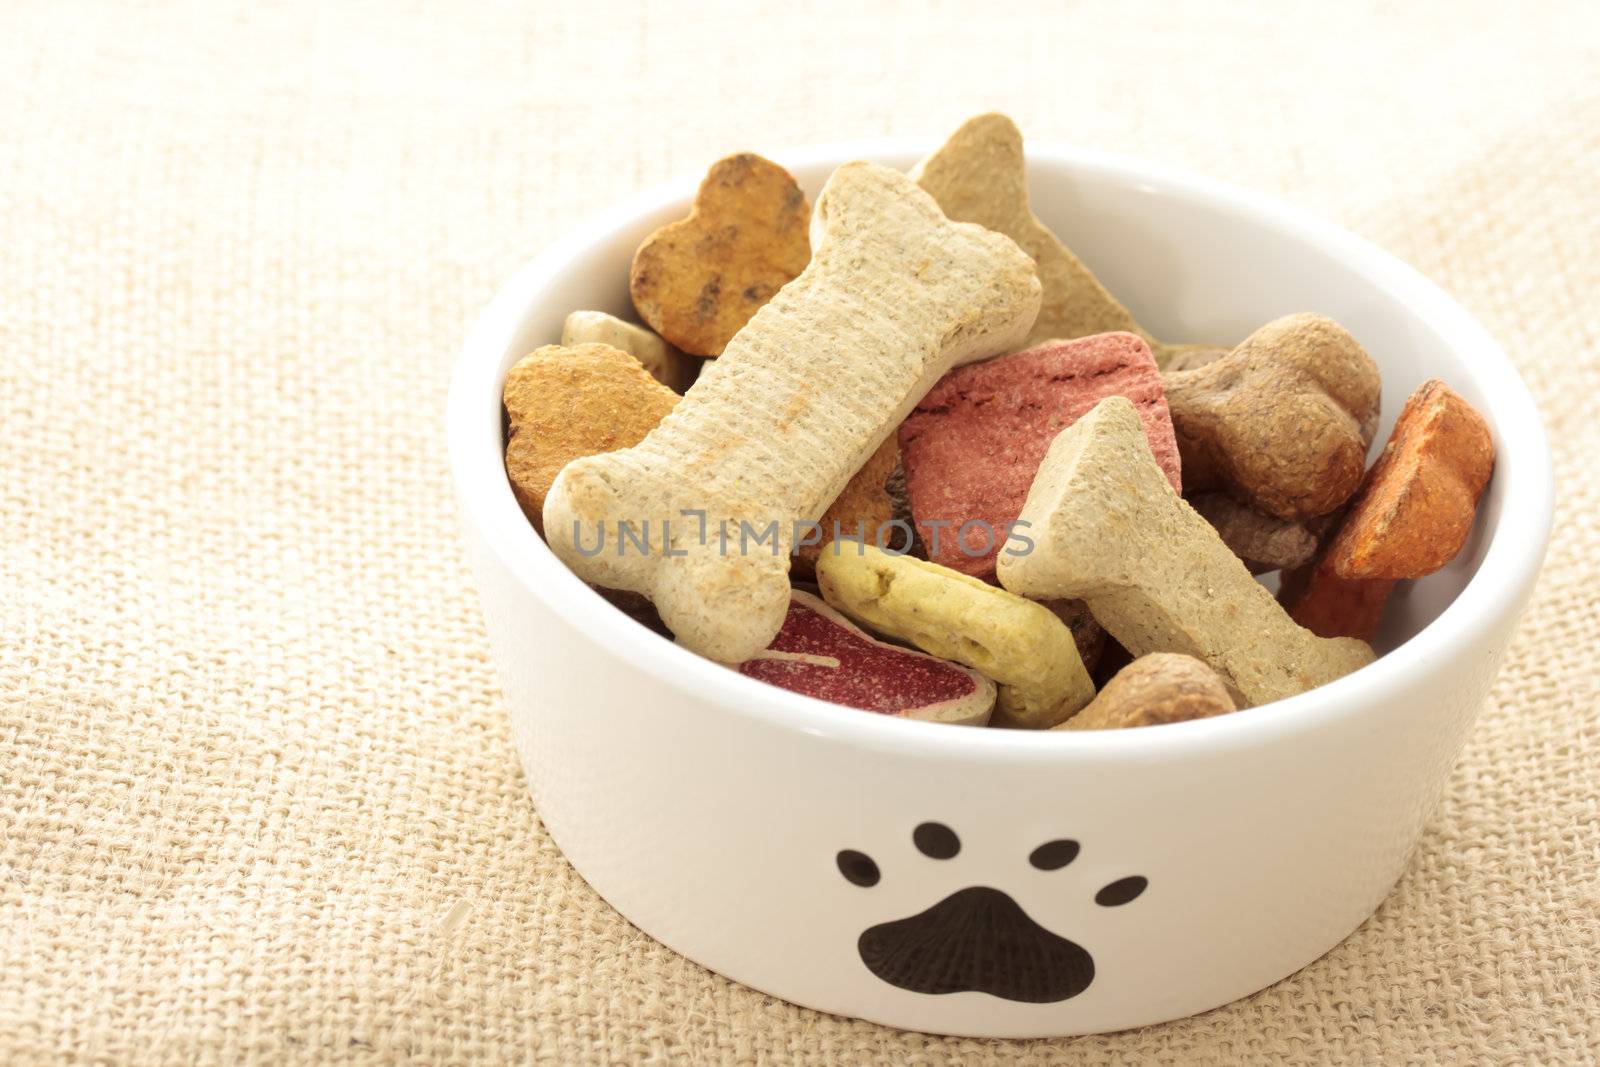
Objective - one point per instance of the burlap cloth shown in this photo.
(258, 799)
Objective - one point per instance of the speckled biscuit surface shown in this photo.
(971, 447)
(821, 654)
(1109, 529)
(566, 402)
(1159, 688)
(894, 296)
(1019, 644)
(1331, 606)
(1283, 421)
(1263, 542)
(697, 281)
(861, 509)
(1416, 507)
(669, 366)
(980, 175)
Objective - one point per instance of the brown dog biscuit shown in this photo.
(1159, 688)
(1088, 635)
(1283, 421)
(1417, 505)
(699, 280)
(564, 403)
(1263, 542)
(860, 510)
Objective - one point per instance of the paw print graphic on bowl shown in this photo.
(979, 938)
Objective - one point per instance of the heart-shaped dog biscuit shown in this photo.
(697, 281)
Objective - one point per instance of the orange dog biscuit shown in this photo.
(698, 280)
(565, 402)
(1416, 507)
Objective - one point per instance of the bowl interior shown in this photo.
(1195, 260)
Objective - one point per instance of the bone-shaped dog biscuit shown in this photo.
(894, 296)
(1282, 422)
(1108, 528)
(980, 175)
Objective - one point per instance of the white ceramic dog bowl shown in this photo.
(711, 809)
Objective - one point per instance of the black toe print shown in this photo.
(1054, 855)
(979, 939)
(1121, 891)
(858, 868)
(936, 840)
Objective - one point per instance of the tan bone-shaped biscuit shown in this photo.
(1108, 528)
(894, 296)
(1282, 422)
(980, 175)
(669, 366)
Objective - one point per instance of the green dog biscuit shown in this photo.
(1019, 644)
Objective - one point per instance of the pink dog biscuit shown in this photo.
(971, 448)
(821, 654)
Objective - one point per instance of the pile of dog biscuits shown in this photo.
(902, 451)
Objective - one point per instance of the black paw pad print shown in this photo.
(979, 938)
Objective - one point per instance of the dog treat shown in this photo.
(1411, 516)
(894, 296)
(1108, 528)
(1023, 646)
(860, 511)
(979, 175)
(1263, 542)
(1417, 504)
(697, 281)
(671, 368)
(821, 654)
(1089, 635)
(900, 503)
(971, 447)
(1159, 688)
(563, 403)
(1283, 421)
(1331, 606)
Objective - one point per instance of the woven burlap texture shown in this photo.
(258, 799)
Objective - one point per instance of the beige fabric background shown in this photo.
(258, 799)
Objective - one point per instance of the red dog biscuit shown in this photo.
(970, 449)
(821, 654)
